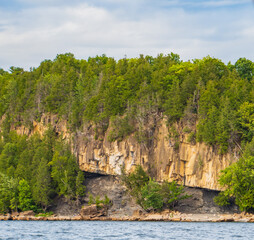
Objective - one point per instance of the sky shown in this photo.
(34, 30)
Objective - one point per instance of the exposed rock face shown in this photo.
(194, 165)
(122, 203)
(27, 213)
(93, 211)
(124, 207)
(200, 200)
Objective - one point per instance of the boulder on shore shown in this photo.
(93, 211)
(27, 213)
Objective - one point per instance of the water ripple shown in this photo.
(44, 230)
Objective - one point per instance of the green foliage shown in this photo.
(176, 146)
(172, 193)
(130, 96)
(35, 170)
(245, 68)
(80, 187)
(25, 196)
(246, 120)
(121, 128)
(65, 172)
(98, 201)
(222, 199)
(135, 181)
(150, 194)
(173, 132)
(187, 130)
(91, 199)
(191, 137)
(129, 91)
(174, 105)
(8, 193)
(45, 214)
(200, 162)
(107, 201)
(238, 180)
(42, 186)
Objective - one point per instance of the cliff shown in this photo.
(193, 164)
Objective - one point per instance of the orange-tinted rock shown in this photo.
(27, 213)
(88, 210)
(76, 218)
(197, 164)
(138, 213)
(93, 211)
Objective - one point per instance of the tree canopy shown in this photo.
(33, 171)
(216, 97)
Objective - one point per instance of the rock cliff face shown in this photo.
(194, 165)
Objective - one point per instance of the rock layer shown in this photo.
(194, 165)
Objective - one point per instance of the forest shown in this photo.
(214, 98)
(35, 170)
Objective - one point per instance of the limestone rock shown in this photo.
(192, 164)
(27, 213)
(88, 210)
(93, 211)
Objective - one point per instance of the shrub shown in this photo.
(191, 138)
(238, 180)
(98, 201)
(45, 214)
(150, 194)
(120, 128)
(91, 199)
(186, 130)
(135, 181)
(172, 193)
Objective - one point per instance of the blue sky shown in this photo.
(34, 30)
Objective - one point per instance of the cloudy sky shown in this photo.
(34, 30)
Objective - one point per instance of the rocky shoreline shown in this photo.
(166, 216)
(199, 208)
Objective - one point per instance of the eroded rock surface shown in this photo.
(194, 165)
(111, 186)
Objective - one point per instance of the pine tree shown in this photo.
(42, 186)
(80, 187)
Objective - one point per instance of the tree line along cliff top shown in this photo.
(214, 99)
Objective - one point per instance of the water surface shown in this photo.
(56, 230)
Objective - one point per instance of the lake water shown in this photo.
(62, 230)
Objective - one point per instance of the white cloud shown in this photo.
(34, 34)
(223, 3)
(201, 3)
